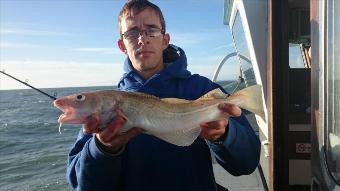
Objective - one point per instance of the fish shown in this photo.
(176, 121)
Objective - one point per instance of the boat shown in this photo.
(290, 47)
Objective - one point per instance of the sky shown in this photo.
(72, 43)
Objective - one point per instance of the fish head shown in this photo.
(76, 108)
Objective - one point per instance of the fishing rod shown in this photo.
(26, 84)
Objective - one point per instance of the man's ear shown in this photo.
(121, 45)
(166, 40)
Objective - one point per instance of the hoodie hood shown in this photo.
(175, 68)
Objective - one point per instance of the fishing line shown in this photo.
(26, 84)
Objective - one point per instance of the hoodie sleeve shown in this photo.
(89, 168)
(239, 152)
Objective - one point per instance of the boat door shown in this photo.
(276, 56)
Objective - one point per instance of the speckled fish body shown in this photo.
(176, 121)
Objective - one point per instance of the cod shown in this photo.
(173, 120)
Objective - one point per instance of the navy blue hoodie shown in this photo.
(150, 164)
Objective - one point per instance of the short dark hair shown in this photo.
(133, 7)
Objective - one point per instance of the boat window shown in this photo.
(240, 41)
(332, 87)
(296, 56)
(246, 76)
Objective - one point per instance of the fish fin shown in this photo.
(118, 112)
(180, 138)
(141, 94)
(249, 98)
(215, 94)
(175, 100)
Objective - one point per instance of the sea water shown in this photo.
(33, 155)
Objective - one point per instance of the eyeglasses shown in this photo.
(135, 33)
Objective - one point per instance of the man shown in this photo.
(108, 160)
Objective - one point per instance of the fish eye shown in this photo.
(80, 97)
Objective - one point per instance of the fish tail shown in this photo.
(251, 99)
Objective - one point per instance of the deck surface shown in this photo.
(250, 182)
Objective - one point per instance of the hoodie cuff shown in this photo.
(100, 154)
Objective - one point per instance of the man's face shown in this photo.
(145, 53)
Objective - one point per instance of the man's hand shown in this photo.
(215, 129)
(110, 140)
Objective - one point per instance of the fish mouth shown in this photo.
(70, 118)
(69, 114)
(62, 118)
(67, 117)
